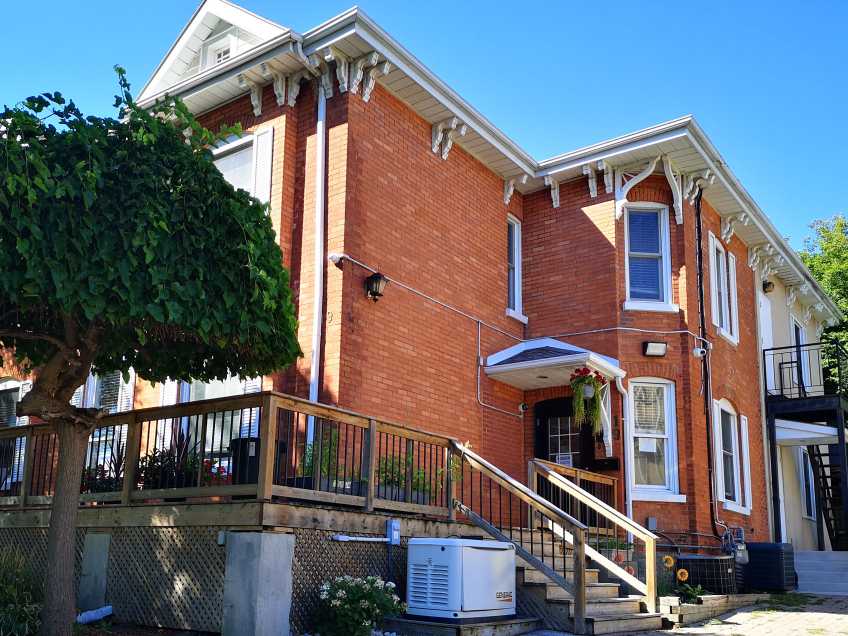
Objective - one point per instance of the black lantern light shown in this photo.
(374, 286)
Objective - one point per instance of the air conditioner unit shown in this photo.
(460, 579)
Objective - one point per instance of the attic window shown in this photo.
(222, 55)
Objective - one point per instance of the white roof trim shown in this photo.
(223, 10)
(790, 433)
(355, 22)
(604, 364)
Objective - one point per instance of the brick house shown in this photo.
(639, 258)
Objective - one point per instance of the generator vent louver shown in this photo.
(428, 584)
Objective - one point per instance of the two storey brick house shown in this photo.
(639, 258)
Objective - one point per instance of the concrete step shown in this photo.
(593, 591)
(625, 623)
(532, 575)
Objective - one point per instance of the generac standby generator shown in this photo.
(460, 579)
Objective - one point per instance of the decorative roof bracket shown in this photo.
(622, 188)
(553, 184)
(509, 186)
(357, 69)
(608, 171)
(293, 87)
(791, 296)
(371, 80)
(442, 135)
(676, 190)
(255, 93)
(592, 179)
(728, 225)
(279, 81)
(696, 180)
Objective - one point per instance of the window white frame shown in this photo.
(636, 304)
(724, 302)
(670, 491)
(740, 450)
(225, 40)
(514, 273)
(805, 473)
(10, 386)
(262, 144)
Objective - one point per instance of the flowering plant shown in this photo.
(355, 606)
(580, 379)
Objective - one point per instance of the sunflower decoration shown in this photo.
(682, 575)
(630, 570)
(668, 561)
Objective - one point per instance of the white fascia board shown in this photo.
(384, 44)
(585, 358)
(716, 163)
(283, 43)
(666, 131)
(791, 433)
(223, 10)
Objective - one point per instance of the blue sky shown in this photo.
(766, 80)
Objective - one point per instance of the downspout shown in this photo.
(320, 232)
(708, 392)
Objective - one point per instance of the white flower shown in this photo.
(395, 598)
(363, 603)
(325, 587)
(390, 585)
(341, 594)
(335, 602)
(380, 584)
(324, 595)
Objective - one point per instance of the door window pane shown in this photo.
(564, 441)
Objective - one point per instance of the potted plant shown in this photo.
(586, 389)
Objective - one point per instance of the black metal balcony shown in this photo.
(809, 370)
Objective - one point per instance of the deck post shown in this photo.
(29, 458)
(450, 482)
(371, 466)
(131, 458)
(267, 448)
(579, 559)
(651, 574)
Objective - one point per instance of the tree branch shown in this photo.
(30, 335)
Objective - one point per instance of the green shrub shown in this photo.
(21, 595)
(354, 606)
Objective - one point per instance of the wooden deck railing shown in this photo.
(613, 540)
(262, 446)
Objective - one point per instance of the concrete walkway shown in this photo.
(797, 615)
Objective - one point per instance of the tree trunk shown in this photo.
(57, 617)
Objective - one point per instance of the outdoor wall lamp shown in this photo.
(374, 286)
(768, 287)
(654, 349)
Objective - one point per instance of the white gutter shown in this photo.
(318, 258)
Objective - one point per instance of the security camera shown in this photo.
(699, 352)
(523, 407)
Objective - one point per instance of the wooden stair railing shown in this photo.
(607, 529)
(507, 510)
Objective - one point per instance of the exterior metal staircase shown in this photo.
(554, 541)
(827, 474)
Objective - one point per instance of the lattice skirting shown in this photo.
(174, 577)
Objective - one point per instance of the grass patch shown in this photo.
(793, 600)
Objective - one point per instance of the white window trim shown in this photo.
(802, 468)
(665, 245)
(516, 312)
(255, 140)
(741, 458)
(729, 301)
(224, 40)
(671, 491)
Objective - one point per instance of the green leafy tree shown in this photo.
(826, 255)
(122, 246)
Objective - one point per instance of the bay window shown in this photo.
(653, 440)
(648, 262)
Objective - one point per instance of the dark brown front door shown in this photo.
(559, 438)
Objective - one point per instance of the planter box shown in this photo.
(708, 606)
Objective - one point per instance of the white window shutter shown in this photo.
(26, 387)
(126, 393)
(76, 398)
(109, 391)
(714, 299)
(170, 390)
(746, 460)
(734, 305)
(253, 385)
(263, 154)
(717, 448)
